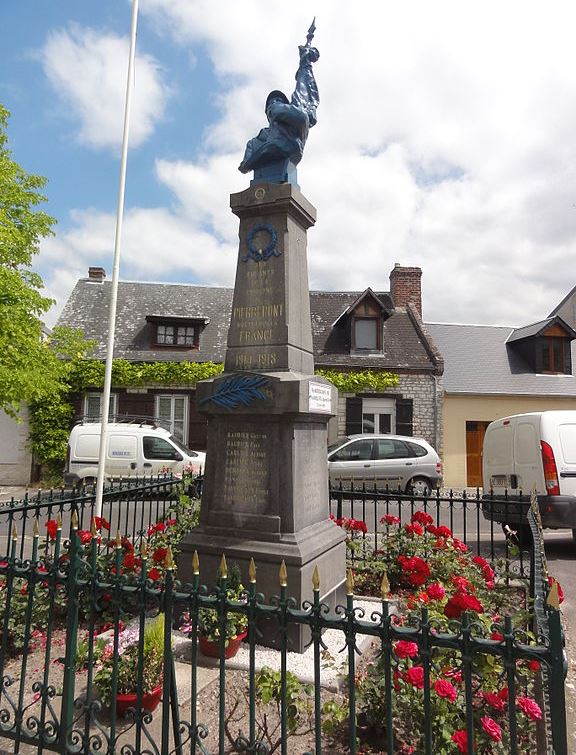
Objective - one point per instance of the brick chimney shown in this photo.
(405, 286)
(96, 274)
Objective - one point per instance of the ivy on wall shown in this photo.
(357, 381)
(50, 419)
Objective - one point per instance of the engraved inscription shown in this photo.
(246, 484)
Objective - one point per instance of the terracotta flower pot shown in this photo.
(212, 649)
(150, 700)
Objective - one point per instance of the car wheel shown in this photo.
(574, 535)
(419, 486)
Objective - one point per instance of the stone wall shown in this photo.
(427, 394)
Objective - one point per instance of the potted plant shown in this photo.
(128, 672)
(236, 623)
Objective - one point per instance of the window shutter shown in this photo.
(353, 415)
(404, 416)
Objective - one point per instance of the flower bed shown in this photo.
(421, 566)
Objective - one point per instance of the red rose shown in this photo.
(436, 591)
(445, 689)
(491, 728)
(158, 527)
(85, 536)
(101, 523)
(129, 560)
(461, 739)
(459, 545)
(126, 543)
(421, 517)
(406, 649)
(414, 529)
(534, 666)
(159, 555)
(494, 701)
(461, 602)
(443, 531)
(461, 583)
(529, 707)
(154, 574)
(171, 522)
(390, 519)
(415, 676)
(498, 636)
(52, 528)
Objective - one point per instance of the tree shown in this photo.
(30, 366)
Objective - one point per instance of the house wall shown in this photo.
(15, 456)
(427, 395)
(461, 409)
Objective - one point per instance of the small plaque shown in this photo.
(319, 398)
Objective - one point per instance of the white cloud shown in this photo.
(444, 139)
(88, 69)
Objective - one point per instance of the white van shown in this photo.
(535, 451)
(133, 450)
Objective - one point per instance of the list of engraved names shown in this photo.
(246, 470)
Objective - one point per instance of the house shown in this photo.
(492, 372)
(353, 332)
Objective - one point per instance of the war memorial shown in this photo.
(265, 490)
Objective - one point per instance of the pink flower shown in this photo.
(461, 739)
(436, 591)
(389, 519)
(415, 676)
(445, 689)
(405, 649)
(529, 707)
(491, 728)
(494, 701)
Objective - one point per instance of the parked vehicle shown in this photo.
(385, 461)
(133, 450)
(531, 452)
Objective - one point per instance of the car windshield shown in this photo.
(181, 446)
(337, 444)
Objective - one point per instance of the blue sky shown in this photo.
(445, 139)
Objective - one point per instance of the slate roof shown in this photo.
(406, 345)
(477, 360)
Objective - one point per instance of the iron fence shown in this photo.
(473, 518)
(68, 707)
(130, 507)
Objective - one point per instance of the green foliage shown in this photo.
(298, 704)
(357, 381)
(20, 602)
(28, 369)
(236, 623)
(51, 416)
(128, 668)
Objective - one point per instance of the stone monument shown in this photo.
(265, 491)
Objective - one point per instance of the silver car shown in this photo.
(385, 460)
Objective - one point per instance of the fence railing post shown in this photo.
(67, 713)
(557, 677)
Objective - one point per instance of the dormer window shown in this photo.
(366, 333)
(175, 332)
(545, 346)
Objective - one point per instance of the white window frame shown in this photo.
(113, 410)
(171, 422)
(378, 406)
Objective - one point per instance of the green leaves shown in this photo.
(356, 381)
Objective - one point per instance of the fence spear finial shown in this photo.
(385, 587)
(252, 572)
(74, 520)
(350, 582)
(93, 528)
(144, 549)
(223, 568)
(36, 530)
(14, 532)
(553, 599)
(118, 539)
(283, 574)
(195, 563)
(169, 560)
(316, 579)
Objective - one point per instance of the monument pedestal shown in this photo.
(265, 492)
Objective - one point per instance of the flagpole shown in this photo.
(116, 268)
